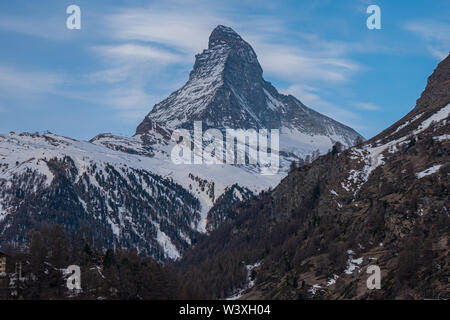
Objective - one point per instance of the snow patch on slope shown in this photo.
(371, 156)
(250, 281)
(429, 171)
(352, 264)
(400, 127)
(437, 117)
(165, 242)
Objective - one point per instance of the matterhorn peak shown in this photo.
(224, 35)
(225, 39)
(226, 89)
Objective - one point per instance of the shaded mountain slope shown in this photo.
(384, 202)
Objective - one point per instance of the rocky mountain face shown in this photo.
(226, 89)
(384, 202)
(129, 190)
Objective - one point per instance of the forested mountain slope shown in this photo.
(384, 202)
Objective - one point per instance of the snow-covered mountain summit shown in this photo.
(226, 89)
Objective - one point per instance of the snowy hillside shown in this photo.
(128, 188)
(136, 200)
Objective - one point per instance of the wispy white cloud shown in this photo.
(27, 82)
(46, 27)
(132, 104)
(311, 97)
(110, 75)
(180, 26)
(25, 90)
(292, 64)
(131, 62)
(138, 53)
(366, 106)
(129, 104)
(436, 36)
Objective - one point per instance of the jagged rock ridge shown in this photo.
(226, 89)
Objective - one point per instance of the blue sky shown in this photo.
(129, 55)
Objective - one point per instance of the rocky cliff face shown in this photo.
(226, 89)
(384, 202)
